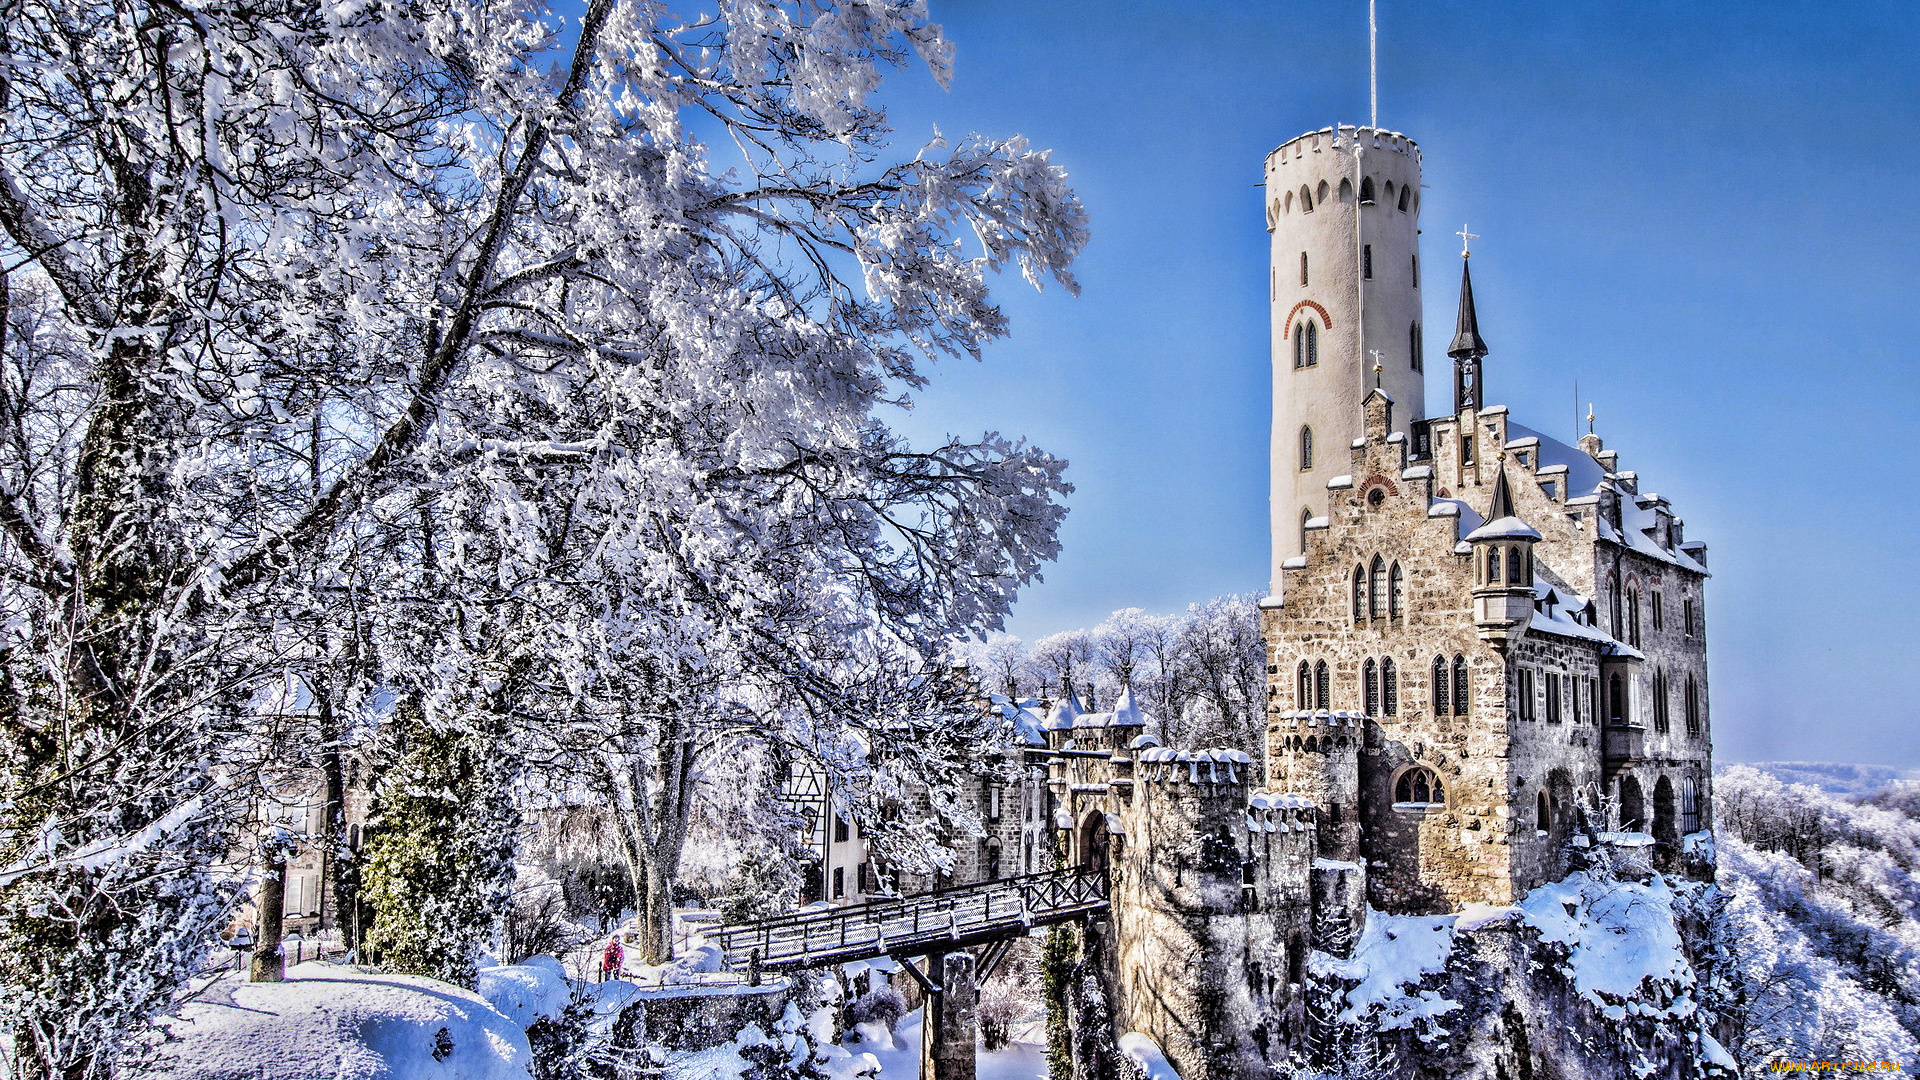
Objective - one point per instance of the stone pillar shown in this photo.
(951, 1022)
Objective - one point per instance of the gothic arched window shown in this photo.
(1372, 682)
(1660, 701)
(1321, 685)
(1306, 200)
(1377, 588)
(1306, 515)
(1313, 342)
(1613, 606)
(1516, 565)
(1303, 687)
(1419, 786)
(1306, 448)
(1493, 565)
(1442, 703)
(1366, 189)
(1633, 615)
(1406, 193)
(1461, 702)
(1389, 688)
(1359, 593)
(1689, 805)
(1396, 592)
(1693, 707)
(1542, 813)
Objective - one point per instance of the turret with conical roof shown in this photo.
(1503, 593)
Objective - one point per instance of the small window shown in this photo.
(1686, 616)
(1389, 688)
(1516, 565)
(1396, 592)
(1359, 594)
(1659, 618)
(1461, 695)
(1618, 627)
(1416, 262)
(1405, 193)
(1689, 805)
(1371, 680)
(1633, 616)
(1542, 814)
(1660, 722)
(1525, 694)
(1320, 193)
(1306, 201)
(1321, 685)
(1553, 697)
(1377, 589)
(1366, 190)
(1466, 450)
(1313, 342)
(1419, 787)
(1414, 348)
(1306, 515)
(1493, 565)
(1366, 261)
(839, 830)
(1303, 690)
(1693, 707)
(1442, 702)
(1306, 448)
(839, 882)
(1346, 190)
(1303, 269)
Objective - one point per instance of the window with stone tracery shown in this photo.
(1371, 678)
(1322, 685)
(1389, 688)
(1460, 689)
(1442, 702)
(1396, 592)
(1377, 588)
(1419, 786)
(1303, 687)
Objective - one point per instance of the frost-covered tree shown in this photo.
(454, 308)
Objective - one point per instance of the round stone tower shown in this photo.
(1343, 208)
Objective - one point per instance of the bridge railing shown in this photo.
(957, 914)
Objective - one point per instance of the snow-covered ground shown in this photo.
(899, 1056)
(332, 1022)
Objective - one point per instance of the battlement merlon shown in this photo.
(1340, 138)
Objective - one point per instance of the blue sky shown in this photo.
(1706, 214)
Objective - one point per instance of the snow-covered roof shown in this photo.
(1218, 766)
(1506, 528)
(1584, 474)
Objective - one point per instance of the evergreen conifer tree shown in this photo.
(439, 864)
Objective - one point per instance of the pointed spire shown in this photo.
(1502, 498)
(1466, 335)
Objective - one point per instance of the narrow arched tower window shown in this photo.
(1306, 200)
(1303, 268)
(1514, 567)
(1693, 707)
(1313, 342)
(1321, 685)
(1303, 687)
(1372, 682)
(1461, 696)
(1442, 702)
(1377, 589)
(1542, 815)
(1359, 593)
(1389, 688)
(1413, 343)
(1405, 194)
(1306, 448)
(1366, 261)
(1396, 592)
(1366, 190)
(1306, 515)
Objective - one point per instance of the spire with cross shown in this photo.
(1468, 348)
(1466, 240)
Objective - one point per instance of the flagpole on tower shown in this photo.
(1373, 64)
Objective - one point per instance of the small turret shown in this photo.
(1503, 569)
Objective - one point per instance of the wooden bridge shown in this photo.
(919, 925)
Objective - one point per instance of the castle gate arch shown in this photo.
(1092, 842)
(1663, 817)
(1632, 811)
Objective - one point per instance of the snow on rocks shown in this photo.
(525, 992)
(1144, 1052)
(1619, 935)
(328, 1020)
(1395, 954)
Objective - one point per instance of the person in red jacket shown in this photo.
(614, 961)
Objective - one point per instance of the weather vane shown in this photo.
(1376, 368)
(1589, 417)
(1465, 239)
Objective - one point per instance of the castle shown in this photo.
(1485, 650)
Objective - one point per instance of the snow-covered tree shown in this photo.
(453, 308)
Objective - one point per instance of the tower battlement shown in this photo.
(1329, 138)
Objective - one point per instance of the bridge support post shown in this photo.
(951, 1023)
